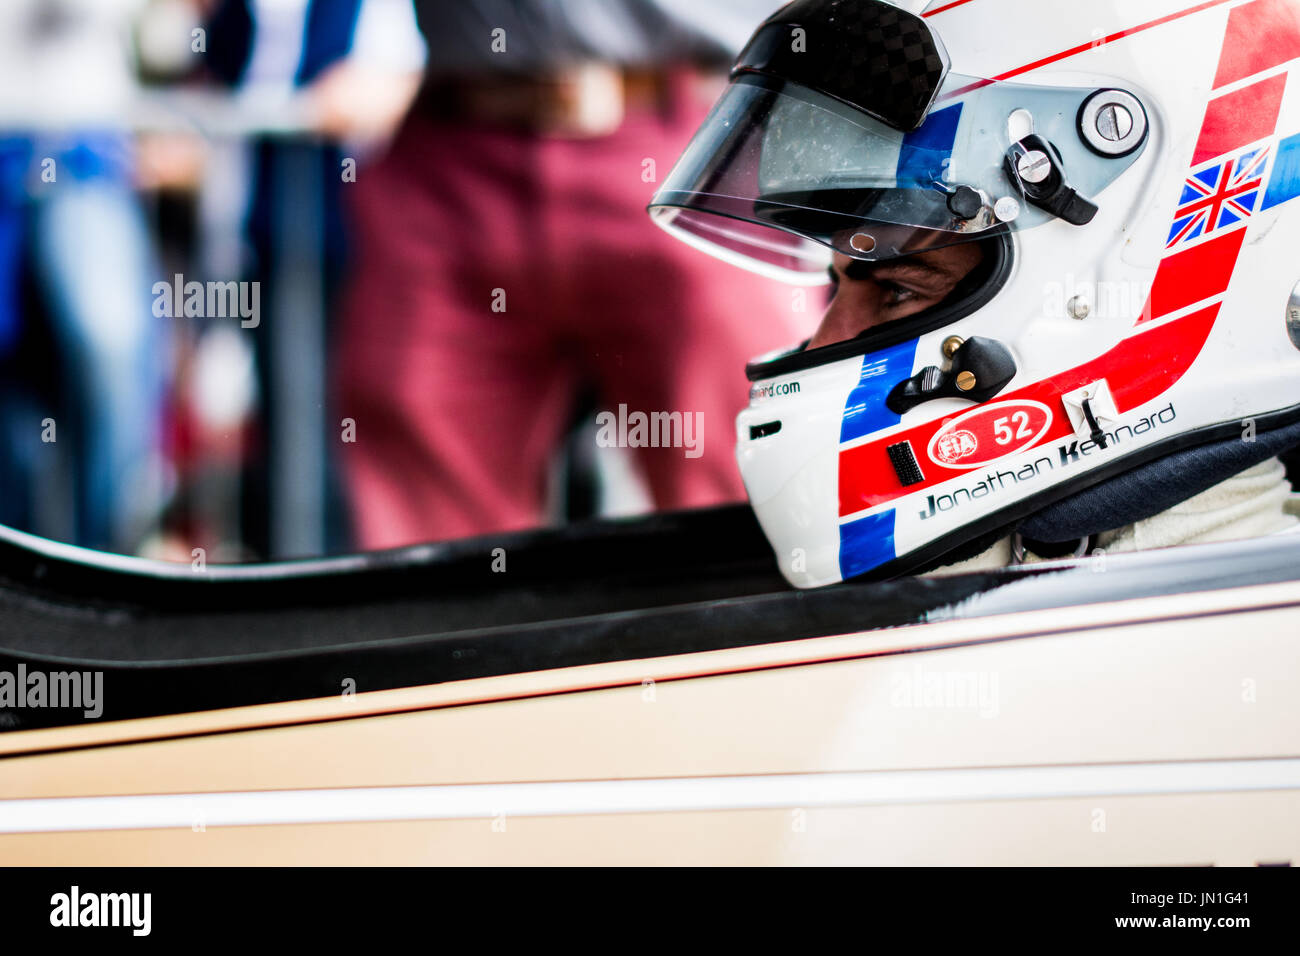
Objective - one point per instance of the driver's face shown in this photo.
(868, 294)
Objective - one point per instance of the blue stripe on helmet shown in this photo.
(865, 410)
(1285, 182)
(924, 154)
(866, 543)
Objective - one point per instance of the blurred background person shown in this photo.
(328, 81)
(244, 140)
(143, 141)
(84, 357)
(507, 280)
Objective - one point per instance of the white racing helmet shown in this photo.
(1132, 333)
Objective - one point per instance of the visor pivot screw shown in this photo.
(966, 381)
(862, 242)
(1034, 166)
(951, 344)
(1006, 209)
(1114, 122)
(1078, 307)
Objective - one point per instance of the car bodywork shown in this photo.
(611, 697)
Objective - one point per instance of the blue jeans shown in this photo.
(92, 257)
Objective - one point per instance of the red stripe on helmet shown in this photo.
(1261, 35)
(1083, 48)
(1193, 275)
(946, 6)
(1233, 120)
(1138, 369)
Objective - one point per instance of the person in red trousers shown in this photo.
(504, 264)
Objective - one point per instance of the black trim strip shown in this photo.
(384, 653)
(607, 591)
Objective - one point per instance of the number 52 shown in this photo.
(1002, 432)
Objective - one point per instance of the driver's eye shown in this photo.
(897, 294)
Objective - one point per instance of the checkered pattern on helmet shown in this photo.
(871, 54)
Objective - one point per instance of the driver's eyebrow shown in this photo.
(914, 269)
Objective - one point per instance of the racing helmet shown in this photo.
(1131, 334)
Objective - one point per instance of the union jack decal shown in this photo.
(1218, 196)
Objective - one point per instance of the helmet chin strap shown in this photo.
(1154, 487)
